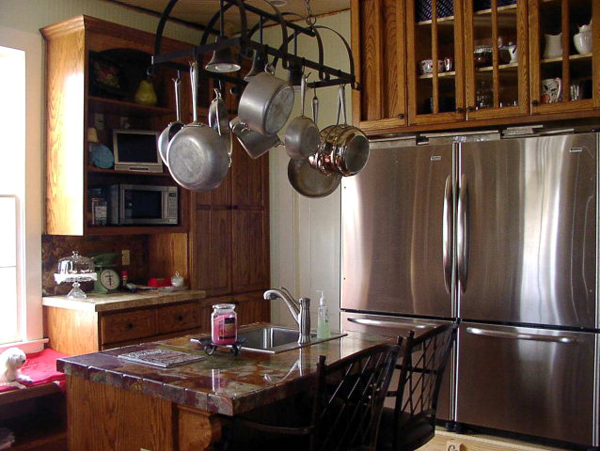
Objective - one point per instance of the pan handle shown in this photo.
(315, 106)
(177, 82)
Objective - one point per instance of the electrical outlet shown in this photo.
(125, 257)
(124, 122)
(144, 449)
(454, 445)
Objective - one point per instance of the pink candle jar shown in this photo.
(224, 324)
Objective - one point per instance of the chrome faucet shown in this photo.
(300, 310)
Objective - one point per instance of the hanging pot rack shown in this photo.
(327, 76)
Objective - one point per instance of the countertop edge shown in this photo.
(119, 301)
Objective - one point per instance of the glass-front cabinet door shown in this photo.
(564, 68)
(435, 67)
(496, 58)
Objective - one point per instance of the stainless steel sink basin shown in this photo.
(275, 339)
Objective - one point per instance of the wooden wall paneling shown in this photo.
(71, 332)
(133, 420)
(65, 110)
(168, 253)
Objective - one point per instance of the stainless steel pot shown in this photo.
(302, 137)
(174, 127)
(254, 143)
(197, 156)
(266, 103)
(344, 148)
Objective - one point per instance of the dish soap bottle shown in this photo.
(323, 320)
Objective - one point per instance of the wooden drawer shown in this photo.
(173, 318)
(128, 325)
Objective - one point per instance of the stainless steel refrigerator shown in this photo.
(501, 233)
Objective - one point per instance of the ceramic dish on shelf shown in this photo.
(426, 66)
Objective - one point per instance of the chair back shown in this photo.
(421, 370)
(350, 397)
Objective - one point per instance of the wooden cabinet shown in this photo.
(473, 63)
(93, 70)
(496, 75)
(229, 233)
(74, 331)
(560, 66)
(378, 45)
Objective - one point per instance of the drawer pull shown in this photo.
(180, 318)
(129, 326)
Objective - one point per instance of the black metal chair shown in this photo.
(345, 410)
(411, 423)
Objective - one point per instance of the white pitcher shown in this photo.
(553, 45)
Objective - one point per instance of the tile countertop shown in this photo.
(222, 383)
(117, 301)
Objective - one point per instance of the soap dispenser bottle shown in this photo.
(323, 320)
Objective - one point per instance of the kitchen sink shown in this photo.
(275, 339)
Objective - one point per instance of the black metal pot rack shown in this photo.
(327, 76)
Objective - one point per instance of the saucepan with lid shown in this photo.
(197, 156)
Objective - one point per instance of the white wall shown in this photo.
(305, 232)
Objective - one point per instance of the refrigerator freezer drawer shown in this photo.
(530, 381)
(391, 326)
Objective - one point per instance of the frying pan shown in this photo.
(310, 182)
(302, 137)
(197, 156)
(168, 133)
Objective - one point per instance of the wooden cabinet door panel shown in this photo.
(211, 250)
(252, 308)
(173, 318)
(250, 250)
(378, 45)
(128, 325)
(250, 179)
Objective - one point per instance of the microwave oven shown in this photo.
(143, 205)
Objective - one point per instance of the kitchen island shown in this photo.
(119, 405)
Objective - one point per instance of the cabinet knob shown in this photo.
(129, 326)
(460, 110)
(470, 109)
(180, 318)
(400, 116)
(535, 102)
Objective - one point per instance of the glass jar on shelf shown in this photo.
(99, 207)
(484, 96)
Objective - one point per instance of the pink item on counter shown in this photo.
(224, 324)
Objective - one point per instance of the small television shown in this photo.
(137, 150)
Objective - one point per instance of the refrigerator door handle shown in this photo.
(462, 236)
(447, 234)
(390, 324)
(521, 336)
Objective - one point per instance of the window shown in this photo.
(21, 157)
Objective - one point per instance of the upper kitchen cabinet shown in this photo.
(378, 46)
(564, 66)
(435, 41)
(496, 58)
(94, 69)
